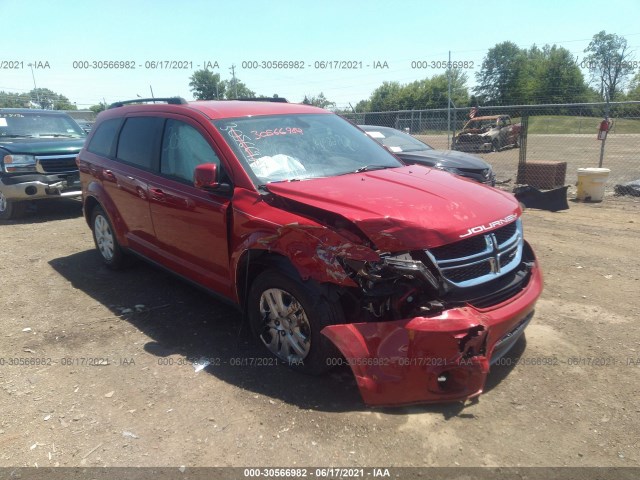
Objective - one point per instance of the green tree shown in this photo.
(502, 78)
(634, 88)
(49, 100)
(435, 91)
(512, 75)
(237, 90)
(363, 106)
(608, 61)
(14, 100)
(206, 85)
(386, 97)
(99, 107)
(426, 93)
(557, 78)
(318, 101)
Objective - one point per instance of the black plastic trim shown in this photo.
(169, 100)
(17, 179)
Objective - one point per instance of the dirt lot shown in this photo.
(120, 389)
(578, 150)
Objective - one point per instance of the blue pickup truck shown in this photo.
(38, 150)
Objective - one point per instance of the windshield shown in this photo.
(40, 125)
(395, 140)
(278, 148)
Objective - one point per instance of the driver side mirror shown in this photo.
(205, 177)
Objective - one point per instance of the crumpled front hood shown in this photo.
(406, 208)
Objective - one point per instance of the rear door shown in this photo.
(190, 224)
(124, 179)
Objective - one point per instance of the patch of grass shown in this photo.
(589, 125)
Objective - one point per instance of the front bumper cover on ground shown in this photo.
(433, 359)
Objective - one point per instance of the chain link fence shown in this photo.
(545, 144)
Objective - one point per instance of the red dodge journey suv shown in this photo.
(322, 238)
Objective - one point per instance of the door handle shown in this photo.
(109, 175)
(157, 194)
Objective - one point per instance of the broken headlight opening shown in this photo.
(479, 271)
(397, 286)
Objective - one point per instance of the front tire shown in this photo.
(286, 315)
(10, 209)
(105, 240)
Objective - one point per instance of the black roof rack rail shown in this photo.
(264, 99)
(169, 100)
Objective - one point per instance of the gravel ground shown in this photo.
(97, 367)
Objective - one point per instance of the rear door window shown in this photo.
(139, 142)
(102, 142)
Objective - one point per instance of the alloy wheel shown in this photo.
(104, 237)
(286, 330)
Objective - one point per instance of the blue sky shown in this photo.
(231, 33)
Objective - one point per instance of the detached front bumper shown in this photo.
(433, 359)
(37, 186)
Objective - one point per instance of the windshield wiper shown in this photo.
(369, 168)
(17, 135)
(55, 135)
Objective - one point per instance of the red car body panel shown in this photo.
(399, 362)
(413, 207)
(311, 246)
(204, 236)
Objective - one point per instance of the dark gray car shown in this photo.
(412, 151)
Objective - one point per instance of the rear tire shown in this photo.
(10, 209)
(105, 240)
(286, 315)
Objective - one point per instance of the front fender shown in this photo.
(312, 248)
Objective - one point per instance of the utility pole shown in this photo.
(34, 84)
(235, 82)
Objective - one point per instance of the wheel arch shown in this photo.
(252, 263)
(95, 197)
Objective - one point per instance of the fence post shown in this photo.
(522, 156)
(453, 136)
(606, 115)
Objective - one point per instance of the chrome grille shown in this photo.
(56, 163)
(482, 258)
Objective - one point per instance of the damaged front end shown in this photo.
(431, 298)
(473, 142)
(428, 323)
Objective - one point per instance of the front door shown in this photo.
(190, 223)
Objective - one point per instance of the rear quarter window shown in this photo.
(139, 142)
(102, 142)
